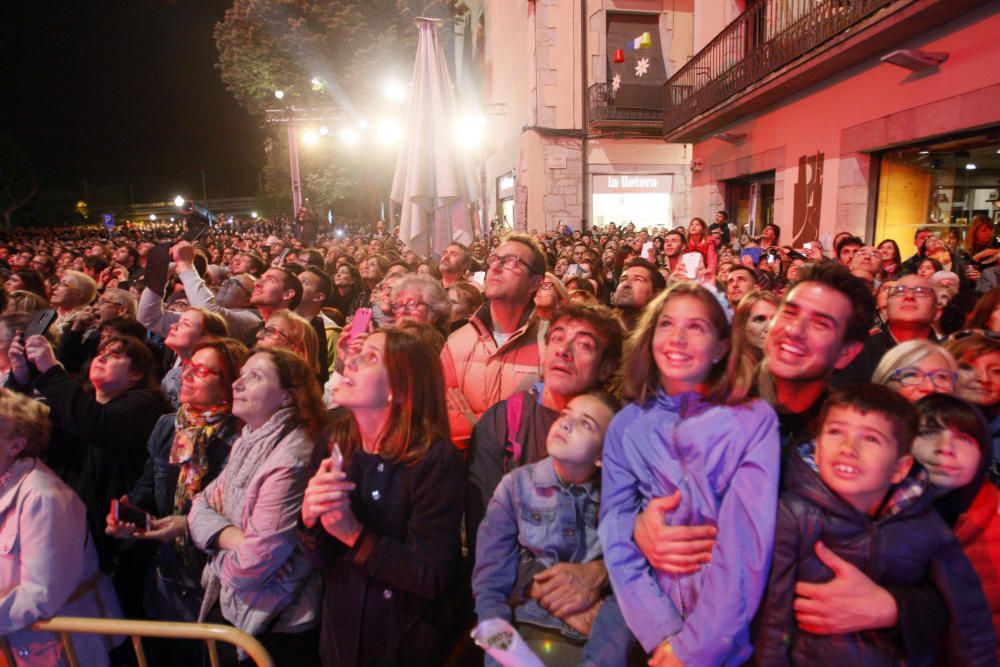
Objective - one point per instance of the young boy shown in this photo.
(546, 513)
(852, 493)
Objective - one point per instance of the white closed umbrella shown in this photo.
(434, 180)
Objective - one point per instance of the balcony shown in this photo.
(777, 48)
(630, 108)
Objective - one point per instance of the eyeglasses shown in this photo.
(409, 306)
(547, 285)
(274, 333)
(509, 262)
(919, 292)
(384, 289)
(108, 302)
(959, 335)
(233, 282)
(910, 376)
(200, 371)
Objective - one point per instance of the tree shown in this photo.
(18, 181)
(351, 45)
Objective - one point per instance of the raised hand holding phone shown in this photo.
(327, 490)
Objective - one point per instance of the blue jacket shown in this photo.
(725, 462)
(533, 521)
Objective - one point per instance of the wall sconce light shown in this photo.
(915, 60)
(731, 137)
(697, 164)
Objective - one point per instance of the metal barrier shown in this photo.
(209, 633)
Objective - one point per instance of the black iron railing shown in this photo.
(631, 103)
(767, 36)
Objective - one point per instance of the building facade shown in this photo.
(868, 116)
(573, 93)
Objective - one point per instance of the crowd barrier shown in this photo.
(209, 633)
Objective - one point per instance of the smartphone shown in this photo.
(572, 270)
(479, 277)
(125, 512)
(337, 456)
(692, 262)
(808, 245)
(280, 261)
(40, 322)
(647, 249)
(362, 318)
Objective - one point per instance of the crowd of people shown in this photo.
(612, 447)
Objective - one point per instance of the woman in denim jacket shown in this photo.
(690, 431)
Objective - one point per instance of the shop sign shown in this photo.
(615, 183)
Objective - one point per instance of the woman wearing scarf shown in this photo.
(187, 450)
(245, 520)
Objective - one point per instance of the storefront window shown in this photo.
(642, 199)
(940, 185)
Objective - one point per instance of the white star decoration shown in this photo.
(642, 66)
(616, 83)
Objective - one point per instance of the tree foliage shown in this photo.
(352, 45)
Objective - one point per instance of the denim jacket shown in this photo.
(532, 522)
(725, 462)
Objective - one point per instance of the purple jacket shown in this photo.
(725, 462)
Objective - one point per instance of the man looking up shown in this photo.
(911, 310)
(454, 264)
(496, 353)
(740, 282)
(316, 289)
(639, 284)
(582, 350)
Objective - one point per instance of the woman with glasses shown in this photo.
(917, 368)
(287, 330)
(421, 299)
(187, 450)
(383, 523)
(245, 519)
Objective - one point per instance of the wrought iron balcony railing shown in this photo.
(764, 38)
(629, 106)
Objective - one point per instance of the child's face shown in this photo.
(857, 457)
(951, 457)
(576, 437)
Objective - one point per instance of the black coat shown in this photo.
(387, 599)
(892, 549)
(99, 449)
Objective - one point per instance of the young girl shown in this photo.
(700, 241)
(690, 430)
(953, 445)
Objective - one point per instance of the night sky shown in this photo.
(118, 92)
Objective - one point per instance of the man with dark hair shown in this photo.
(639, 284)
(496, 353)
(741, 281)
(820, 327)
(583, 348)
(248, 262)
(920, 236)
(911, 310)
(846, 247)
(128, 257)
(673, 248)
(316, 289)
(455, 262)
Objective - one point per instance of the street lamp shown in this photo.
(152, 217)
(394, 91)
(350, 136)
(280, 94)
(309, 138)
(178, 201)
